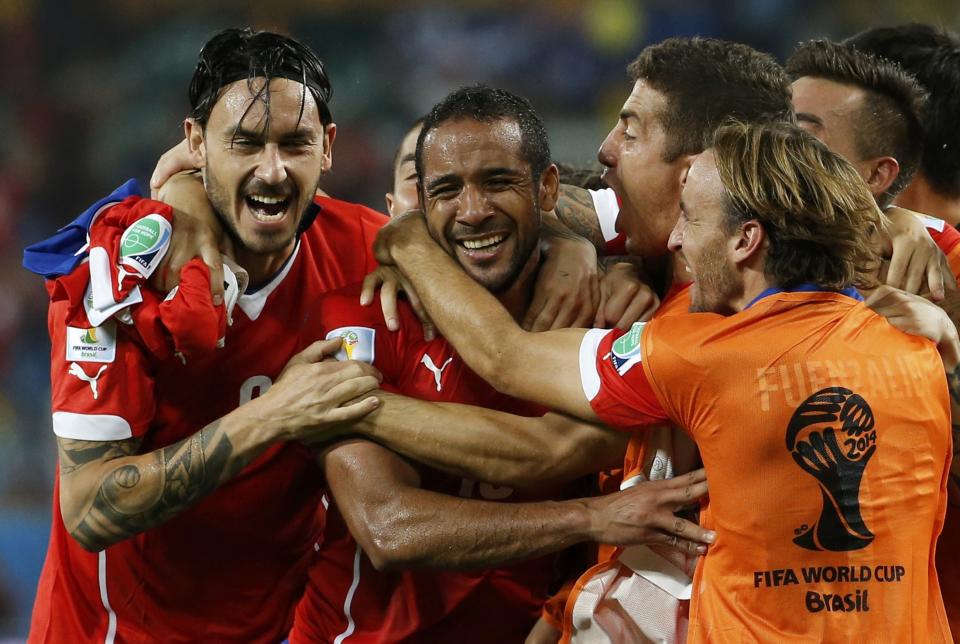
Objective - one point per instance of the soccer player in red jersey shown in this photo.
(180, 511)
(807, 407)
(486, 175)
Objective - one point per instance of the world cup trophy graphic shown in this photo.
(831, 436)
(350, 340)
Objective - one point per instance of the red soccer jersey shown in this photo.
(347, 599)
(808, 410)
(232, 567)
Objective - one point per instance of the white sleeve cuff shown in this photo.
(589, 376)
(90, 427)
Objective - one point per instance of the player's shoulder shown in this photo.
(349, 213)
(343, 306)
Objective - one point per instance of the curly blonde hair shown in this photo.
(818, 214)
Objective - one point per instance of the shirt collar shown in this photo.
(806, 287)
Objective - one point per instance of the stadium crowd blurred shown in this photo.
(94, 91)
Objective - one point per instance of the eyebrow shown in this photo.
(257, 135)
(627, 114)
(446, 178)
(809, 118)
(407, 157)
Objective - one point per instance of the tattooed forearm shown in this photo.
(135, 493)
(576, 212)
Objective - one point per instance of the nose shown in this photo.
(271, 168)
(474, 207)
(607, 152)
(675, 243)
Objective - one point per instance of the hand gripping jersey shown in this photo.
(824, 433)
(347, 599)
(232, 567)
(637, 593)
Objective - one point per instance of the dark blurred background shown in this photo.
(92, 92)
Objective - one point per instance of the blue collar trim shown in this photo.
(807, 287)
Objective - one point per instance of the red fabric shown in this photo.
(947, 239)
(232, 567)
(495, 605)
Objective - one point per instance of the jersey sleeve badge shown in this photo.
(357, 343)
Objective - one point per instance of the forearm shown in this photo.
(576, 213)
(493, 446)
(125, 495)
(469, 316)
(418, 528)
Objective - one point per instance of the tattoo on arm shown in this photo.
(139, 492)
(576, 212)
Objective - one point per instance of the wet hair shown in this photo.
(243, 54)
(707, 81)
(816, 211)
(888, 122)
(489, 105)
(932, 55)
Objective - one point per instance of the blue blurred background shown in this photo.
(92, 92)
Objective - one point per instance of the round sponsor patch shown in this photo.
(142, 236)
(628, 344)
(144, 243)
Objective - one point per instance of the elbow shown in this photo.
(87, 543)
(388, 547)
(77, 525)
(386, 536)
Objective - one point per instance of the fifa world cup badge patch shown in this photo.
(357, 343)
(94, 344)
(625, 351)
(143, 245)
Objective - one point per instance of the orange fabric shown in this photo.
(765, 393)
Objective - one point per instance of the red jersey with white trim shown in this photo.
(825, 436)
(347, 599)
(232, 567)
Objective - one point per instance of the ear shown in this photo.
(748, 242)
(883, 171)
(329, 135)
(196, 145)
(389, 199)
(549, 188)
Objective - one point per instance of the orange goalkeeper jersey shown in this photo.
(825, 436)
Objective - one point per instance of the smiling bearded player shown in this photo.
(183, 509)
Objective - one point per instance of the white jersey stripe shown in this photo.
(351, 625)
(111, 616)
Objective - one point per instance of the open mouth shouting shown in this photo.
(267, 208)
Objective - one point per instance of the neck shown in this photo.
(754, 283)
(262, 266)
(920, 196)
(516, 299)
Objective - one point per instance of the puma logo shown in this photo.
(427, 362)
(77, 370)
